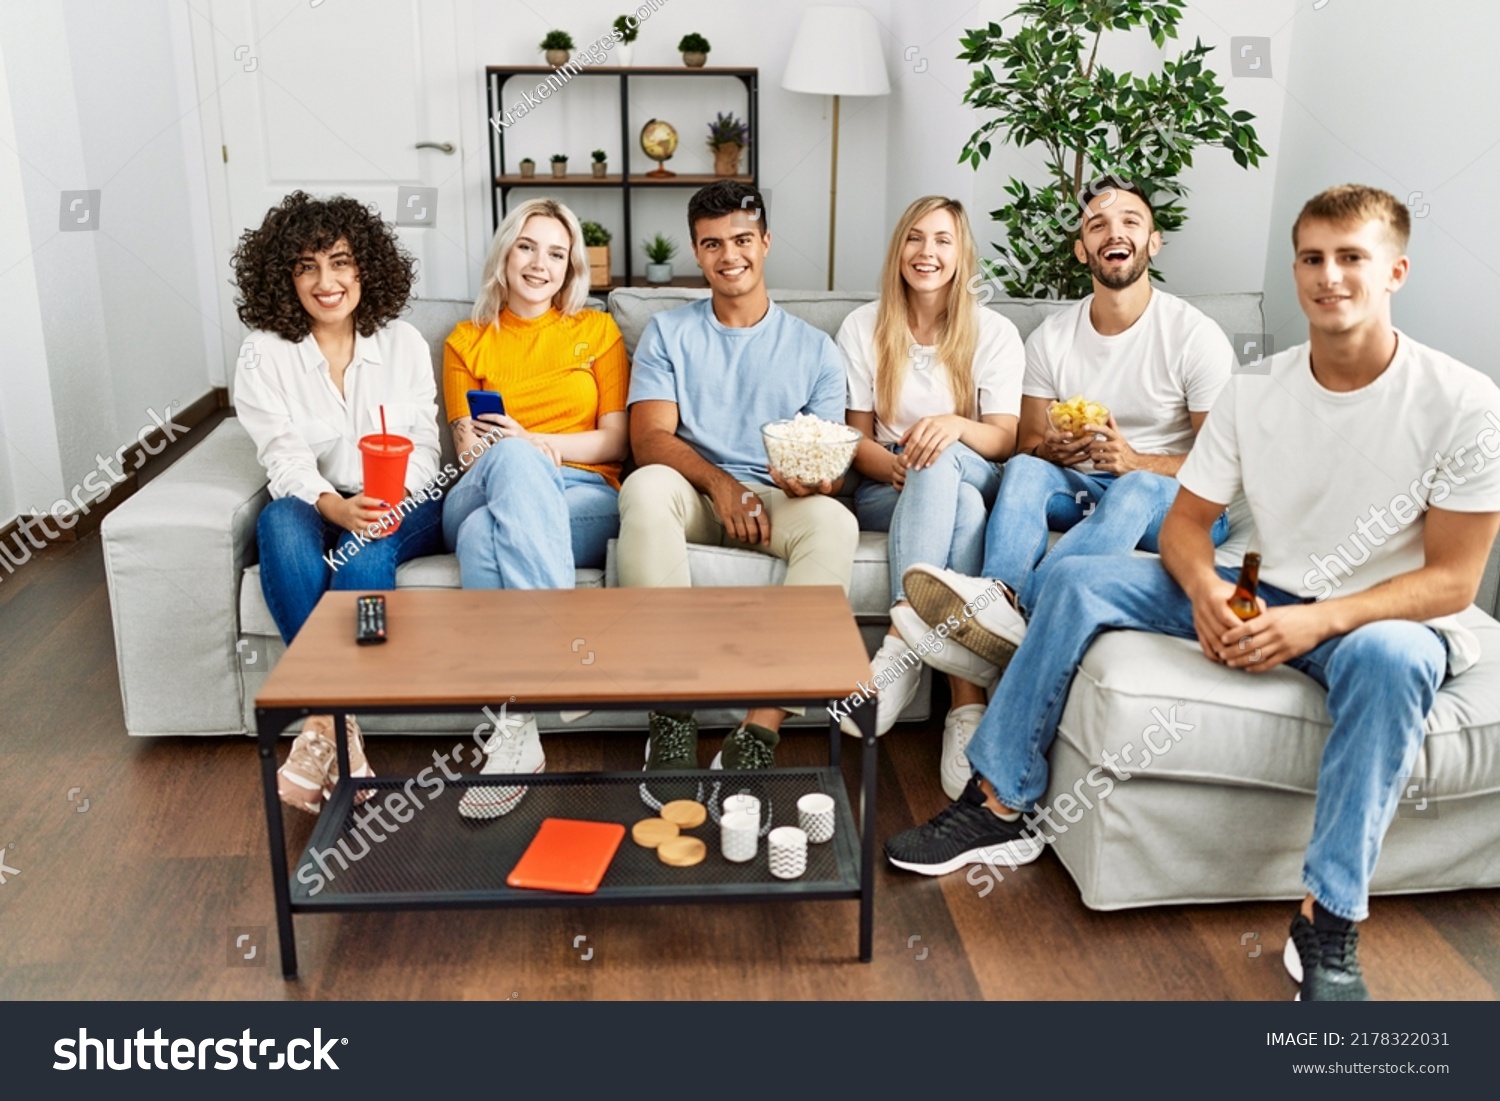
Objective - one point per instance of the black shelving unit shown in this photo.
(625, 182)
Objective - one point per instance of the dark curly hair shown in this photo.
(266, 258)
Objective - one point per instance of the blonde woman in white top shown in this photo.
(935, 386)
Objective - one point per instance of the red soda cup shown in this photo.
(385, 458)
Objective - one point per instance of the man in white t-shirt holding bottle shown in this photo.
(1157, 364)
(1373, 529)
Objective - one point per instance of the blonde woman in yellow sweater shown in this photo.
(538, 498)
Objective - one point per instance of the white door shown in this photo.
(336, 98)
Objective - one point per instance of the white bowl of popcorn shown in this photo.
(810, 449)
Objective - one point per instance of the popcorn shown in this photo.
(810, 449)
(1070, 416)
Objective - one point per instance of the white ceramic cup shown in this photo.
(815, 816)
(739, 836)
(788, 849)
(744, 801)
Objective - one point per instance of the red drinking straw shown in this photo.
(383, 432)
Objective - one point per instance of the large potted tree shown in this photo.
(1094, 125)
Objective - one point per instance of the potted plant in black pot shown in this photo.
(727, 136)
(694, 49)
(559, 165)
(659, 252)
(601, 165)
(625, 51)
(558, 46)
(596, 241)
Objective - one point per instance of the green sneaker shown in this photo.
(749, 747)
(673, 742)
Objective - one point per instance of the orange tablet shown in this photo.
(567, 855)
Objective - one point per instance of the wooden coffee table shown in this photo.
(636, 649)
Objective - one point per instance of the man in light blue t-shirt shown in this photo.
(704, 379)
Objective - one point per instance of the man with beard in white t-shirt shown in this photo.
(1373, 530)
(1156, 364)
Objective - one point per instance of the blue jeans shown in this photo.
(294, 538)
(1381, 680)
(1123, 513)
(517, 521)
(939, 516)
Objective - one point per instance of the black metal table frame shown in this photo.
(271, 722)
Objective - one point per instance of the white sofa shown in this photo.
(1224, 815)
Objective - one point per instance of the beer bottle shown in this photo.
(1242, 603)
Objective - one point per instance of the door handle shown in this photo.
(442, 146)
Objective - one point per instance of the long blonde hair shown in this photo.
(958, 335)
(493, 289)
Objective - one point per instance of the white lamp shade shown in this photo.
(837, 53)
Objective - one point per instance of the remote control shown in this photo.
(369, 620)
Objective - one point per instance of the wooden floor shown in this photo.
(142, 894)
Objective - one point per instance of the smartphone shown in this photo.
(485, 401)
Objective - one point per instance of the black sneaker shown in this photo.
(967, 832)
(673, 742)
(1325, 963)
(751, 746)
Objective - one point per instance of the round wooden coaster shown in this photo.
(685, 812)
(651, 832)
(682, 852)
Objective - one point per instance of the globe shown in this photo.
(659, 142)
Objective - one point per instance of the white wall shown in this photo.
(96, 99)
(1402, 96)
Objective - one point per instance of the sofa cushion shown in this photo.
(1263, 731)
(632, 307)
(869, 594)
(436, 571)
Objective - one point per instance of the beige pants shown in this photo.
(661, 513)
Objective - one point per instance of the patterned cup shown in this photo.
(745, 802)
(788, 847)
(815, 816)
(739, 836)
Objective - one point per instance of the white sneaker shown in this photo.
(515, 747)
(958, 729)
(899, 690)
(956, 660)
(992, 631)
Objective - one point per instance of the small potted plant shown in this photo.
(727, 136)
(659, 251)
(600, 165)
(558, 46)
(596, 243)
(528, 168)
(559, 165)
(694, 49)
(626, 49)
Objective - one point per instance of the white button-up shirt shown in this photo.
(307, 434)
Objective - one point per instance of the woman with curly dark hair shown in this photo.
(321, 283)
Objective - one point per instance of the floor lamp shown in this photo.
(836, 53)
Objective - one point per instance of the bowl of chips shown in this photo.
(1073, 415)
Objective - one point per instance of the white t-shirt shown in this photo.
(1339, 483)
(307, 435)
(999, 361)
(1174, 360)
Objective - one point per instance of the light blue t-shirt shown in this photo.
(728, 382)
